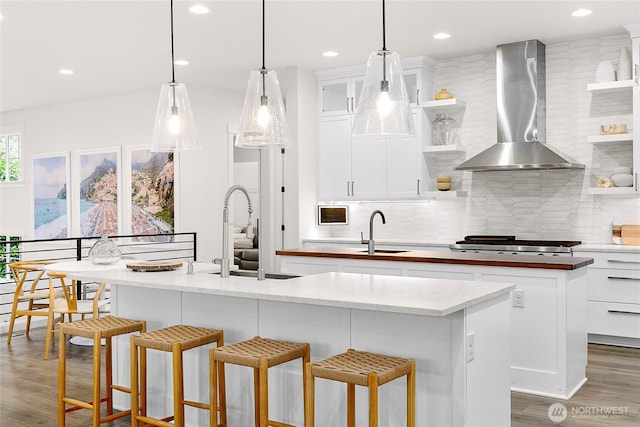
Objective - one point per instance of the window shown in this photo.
(9, 252)
(11, 155)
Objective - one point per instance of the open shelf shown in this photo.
(453, 106)
(613, 191)
(608, 87)
(449, 194)
(451, 148)
(610, 139)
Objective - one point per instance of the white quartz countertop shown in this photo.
(411, 295)
(604, 247)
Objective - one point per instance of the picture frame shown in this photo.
(150, 191)
(98, 192)
(50, 201)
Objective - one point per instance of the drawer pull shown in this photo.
(622, 278)
(622, 261)
(623, 312)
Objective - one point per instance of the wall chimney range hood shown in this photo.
(521, 104)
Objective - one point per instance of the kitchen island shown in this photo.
(548, 335)
(457, 331)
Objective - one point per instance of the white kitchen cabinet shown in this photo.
(613, 282)
(548, 335)
(405, 178)
(350, 169)
(339, 96)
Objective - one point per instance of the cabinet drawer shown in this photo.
(619, 260)
(619, 320)
(615, 285)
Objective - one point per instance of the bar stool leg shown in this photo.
(62, 375)
(108, 360)
(143, 381)
(133, 350)
(305, 360)
(256, 396)
(309, 400)
(97, 341)
(411, 396)
(178, 385)
(264, 392)
(351, 405)
(373, 400)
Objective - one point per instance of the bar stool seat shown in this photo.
(96, 329)
(364, 369)
(175, 340)
(260, 354)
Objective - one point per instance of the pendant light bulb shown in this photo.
(264, 116)
(174, 128)
(385, 104)
(173, 125)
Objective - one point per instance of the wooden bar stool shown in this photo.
(259, 354)
(175, 340)
(96, 329)
(364, 369)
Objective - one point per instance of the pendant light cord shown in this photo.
(384, 41)
(263, 34)
(173, 71)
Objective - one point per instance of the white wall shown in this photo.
(549, 204)
(128, 120)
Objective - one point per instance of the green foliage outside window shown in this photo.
(10, 158)
(9, 252)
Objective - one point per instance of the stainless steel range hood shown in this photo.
(520, 70)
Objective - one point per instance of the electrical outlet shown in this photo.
(470, 347)
(518, 298)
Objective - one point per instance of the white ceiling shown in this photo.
(118, 47)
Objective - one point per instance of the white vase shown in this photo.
(624, 65)
(605, 72)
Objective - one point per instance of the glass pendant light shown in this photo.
(174, 129)
(263, 122)
(383, 111)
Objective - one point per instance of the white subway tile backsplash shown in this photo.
(551, 204)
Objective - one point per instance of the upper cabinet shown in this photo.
(356, 170)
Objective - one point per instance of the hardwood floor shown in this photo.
(28, 388)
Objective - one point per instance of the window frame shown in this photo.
(12, 130)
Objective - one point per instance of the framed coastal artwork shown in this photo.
(98, 192)
(150, 183)
(51, 218)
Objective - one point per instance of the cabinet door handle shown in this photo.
(418, 181)
(348, 189)
(418, 96)
(348, 104)
(623, 312)
(353, 108)
(352, 192)
(622, 261)
(622, 278)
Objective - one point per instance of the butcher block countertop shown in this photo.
(519, 261)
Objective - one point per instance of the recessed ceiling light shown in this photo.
(181, 62)
(65, 71)
(329, 54)
(199, 9)
(581, 12)
(441, 36)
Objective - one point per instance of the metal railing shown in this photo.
(148, 247)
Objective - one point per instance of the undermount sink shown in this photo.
(386, 251)
(254, 274)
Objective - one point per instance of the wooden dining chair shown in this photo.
(30, 300)
(70, 305)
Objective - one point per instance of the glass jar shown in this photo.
(104, 252)
(443, 129)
